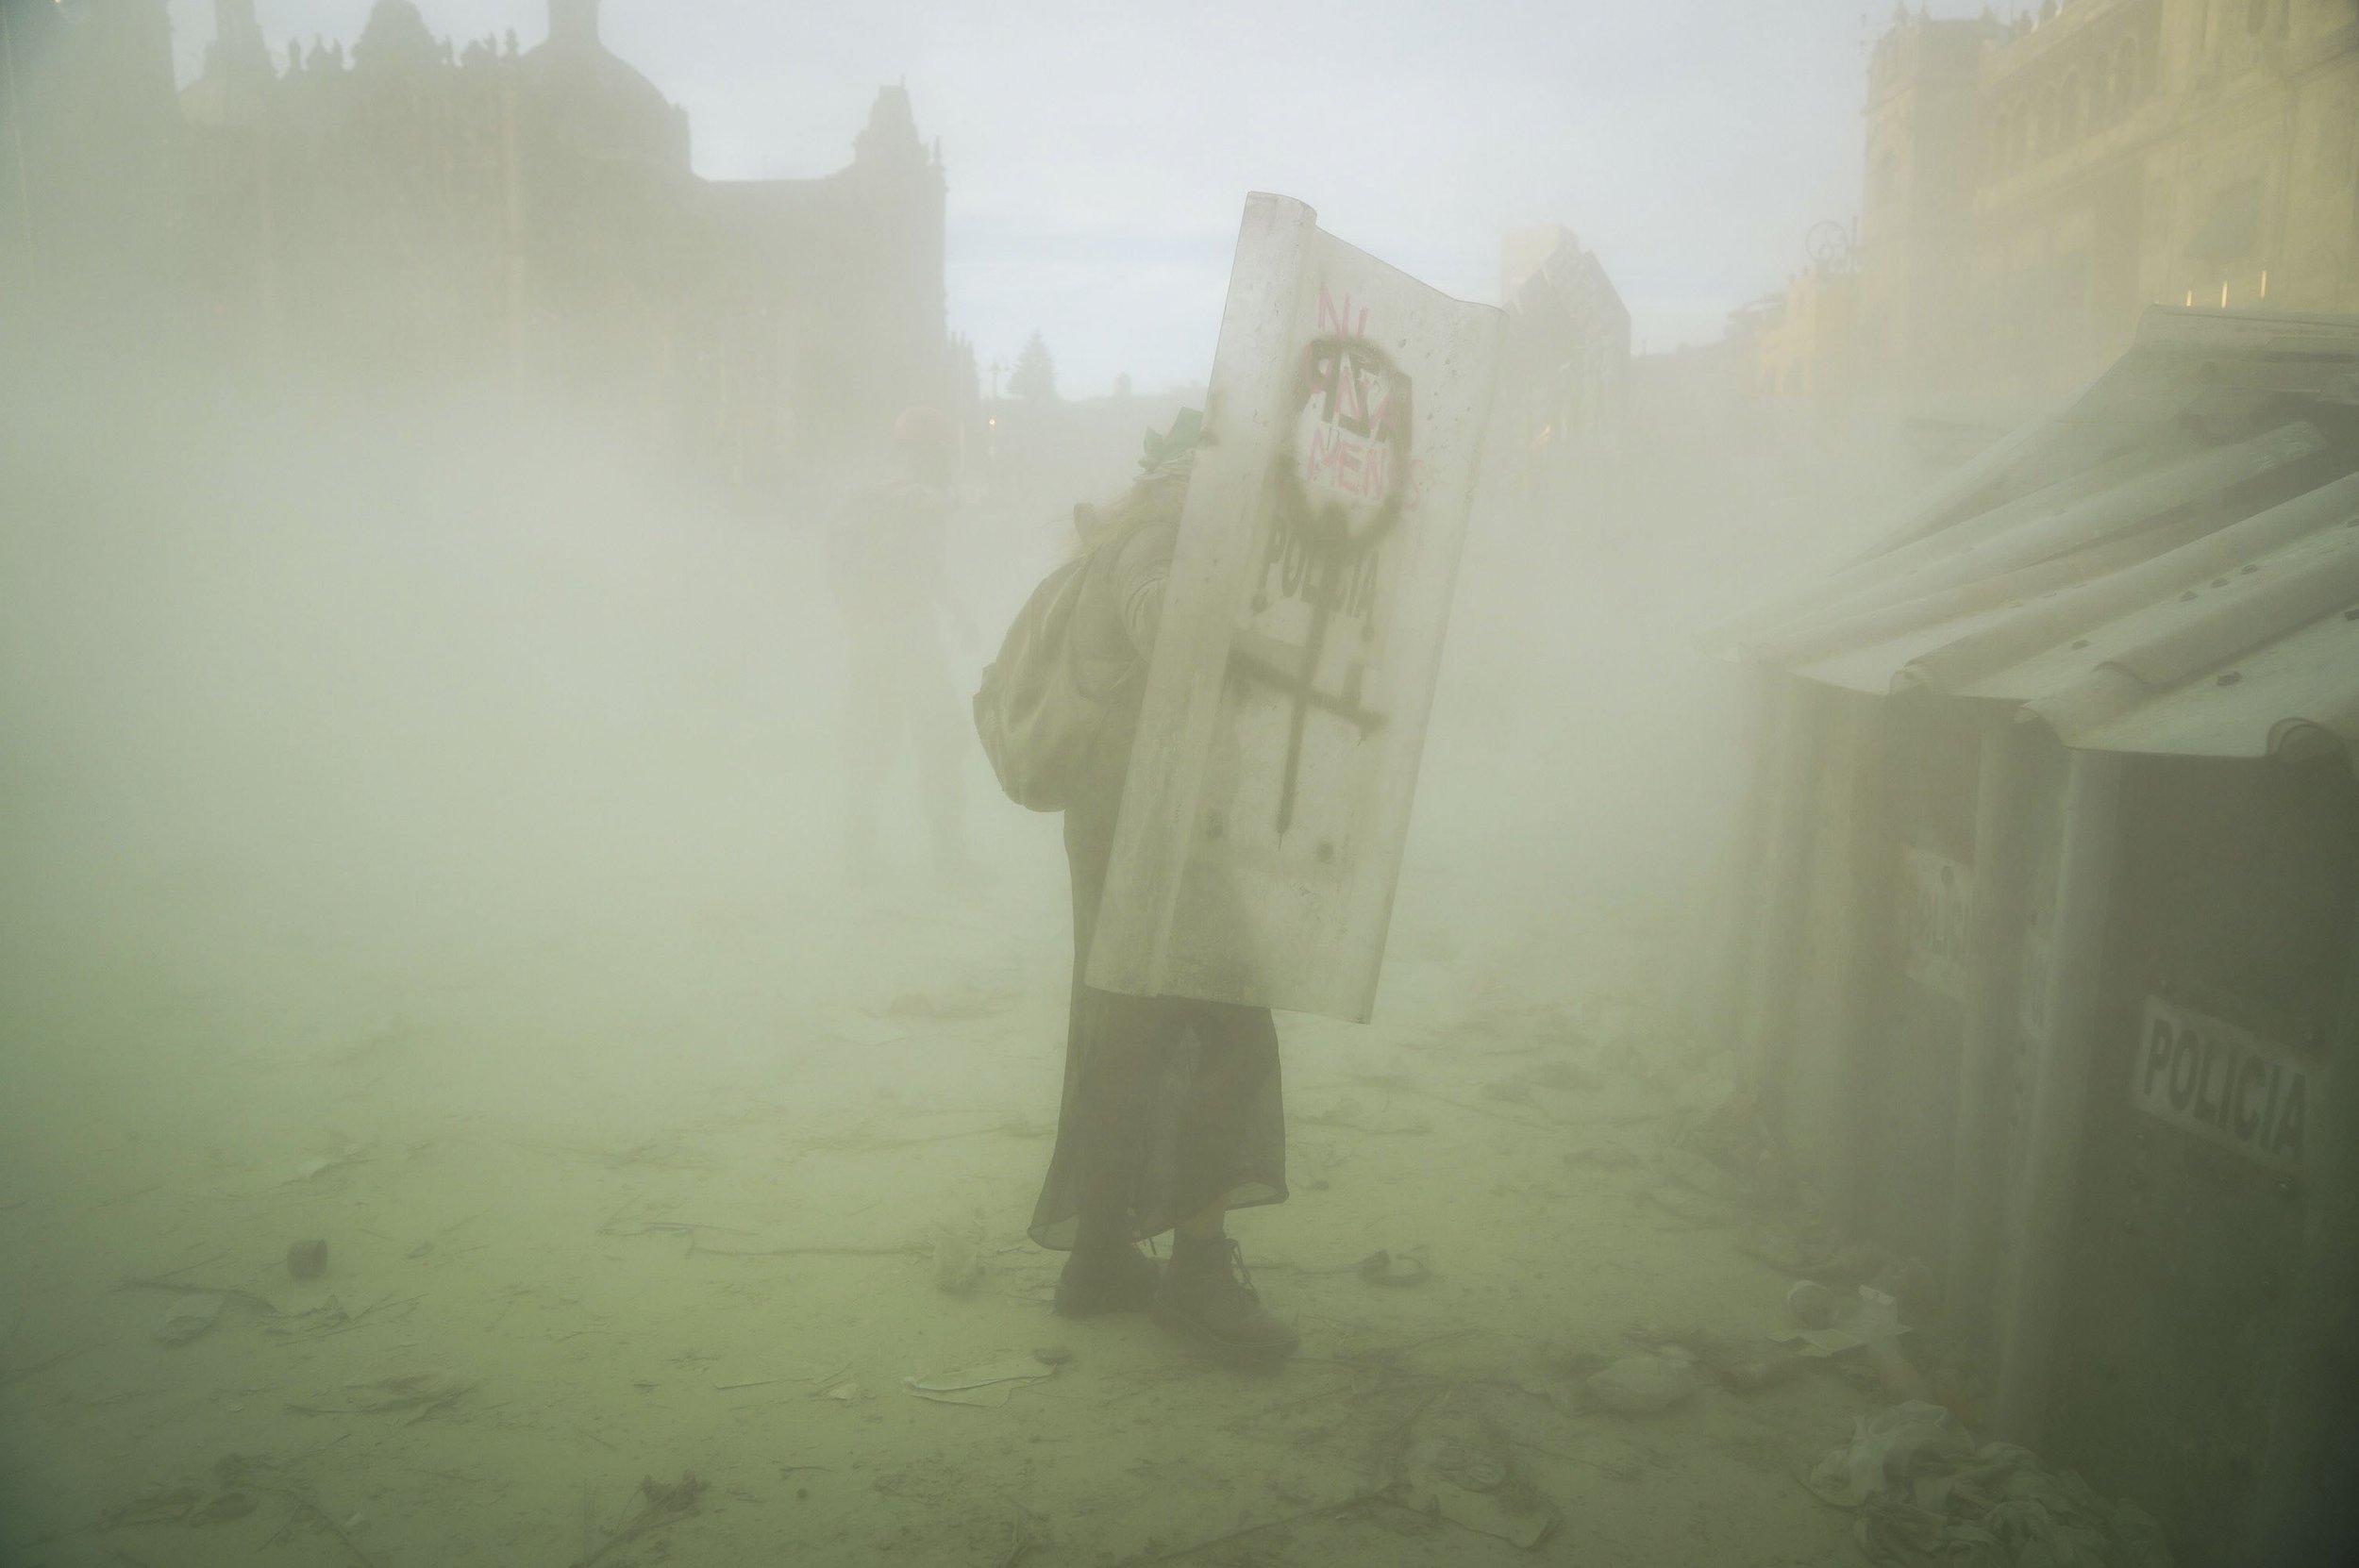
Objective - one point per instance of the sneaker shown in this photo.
(1210, 1299)
(1095, 1283)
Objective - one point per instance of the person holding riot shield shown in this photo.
(1171, 1113)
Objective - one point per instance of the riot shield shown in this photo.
(1286, 707)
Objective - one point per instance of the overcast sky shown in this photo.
(1099, 153)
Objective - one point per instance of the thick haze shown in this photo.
(1099, 154)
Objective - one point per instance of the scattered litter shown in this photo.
(1456, 1465)
(987, 1385)
(307, 1259)
(1928, 1493)
(1051, 1355)
(1911, 1285)
(1812, 1304)
(843, 1393)
(1743, 1364)
(658, 1504)
(1885, 1449)
(1869, 1316)
(186, 1318)
(426, 1248)
(329, 1317)
(1382, 1268)
(958, 1264)
(1640, 1385)
(186, 1288)
(424, 1393)
(1893, 1371)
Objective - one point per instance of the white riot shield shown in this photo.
(1268, 793)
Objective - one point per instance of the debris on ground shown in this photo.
(657, 1504)
(1812, 1304)
(186, 1318)
(1866, 1316)
(989, 1384)
(1743, 1364)
(1381, 1267)
(424, 1393)
(1456, 1465)
(1927, 1494)
(344, 1155)
(958, 1262)
(1640, 1385)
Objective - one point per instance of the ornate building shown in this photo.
(1565, 369)
(2033, 185)
(526, 217)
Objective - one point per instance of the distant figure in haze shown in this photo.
(1171, 1115)
(887, 562)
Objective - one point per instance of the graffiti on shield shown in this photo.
(1342, 479)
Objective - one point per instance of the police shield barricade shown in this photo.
(1285, 705)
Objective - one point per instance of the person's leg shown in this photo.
(1106, 1271)
(1206, 1294)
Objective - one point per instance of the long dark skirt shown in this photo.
(1170, 1105)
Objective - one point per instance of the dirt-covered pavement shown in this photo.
(435, 859)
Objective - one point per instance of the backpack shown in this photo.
(1040, 712)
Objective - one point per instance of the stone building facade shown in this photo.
(2032, 185)
(1565, 371)
(415, 208)
(1804, 352)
